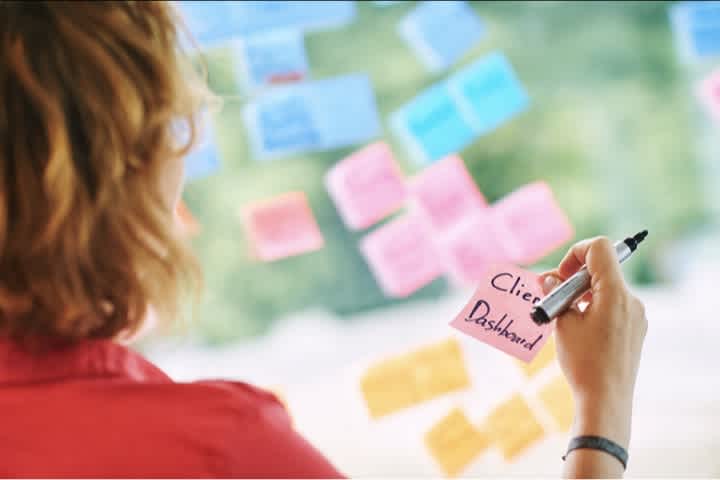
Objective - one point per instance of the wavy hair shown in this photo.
(91, 94)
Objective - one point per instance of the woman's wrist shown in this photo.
(604, 417)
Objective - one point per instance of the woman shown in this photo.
(93, 97)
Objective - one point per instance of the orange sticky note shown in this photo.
(513, 427)
(420, 375)
(281, 227)
(557, 398)
(454, 442)
(187, 222)
(543, 359)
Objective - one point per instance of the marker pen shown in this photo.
(563, 296)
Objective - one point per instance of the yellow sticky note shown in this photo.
(542, 360)
(417, 376)
(557, 397)
(454, 442)
(513, 427)
(439, 369)
(389, 387)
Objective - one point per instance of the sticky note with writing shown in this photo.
(542, 360)
(417, 376)
(488, 92)
(402, 255)
(709, 93)
(446, 193)
(281, 227)
(557, 398)
(271, 58)
(696, 27)
(499, 312)
(454, 442)
(470, 247)
(432, 125)
(312, 116)
(441, 32)
(531, 223)
(366, 186)
(212, 22)
(185, 220)
(513, 427)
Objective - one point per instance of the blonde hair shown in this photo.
(90, 94)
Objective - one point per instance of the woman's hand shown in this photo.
(599, 350)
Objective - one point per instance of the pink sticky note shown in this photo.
(402, 255)
(446, 193)
(709, 93)
(531, 223)
(366, 186)
(471, 246)
(499, 312)
(282, 227)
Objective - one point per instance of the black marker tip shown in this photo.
(639, 237)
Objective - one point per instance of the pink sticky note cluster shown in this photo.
(448, 216)
(499, 312)
(402, 255)
(709, 93)
(366, 186)
(530, 223)
(446, 193)
(470, 247)
(282, 227)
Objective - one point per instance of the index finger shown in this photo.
(598, 254)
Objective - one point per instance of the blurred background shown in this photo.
(615, 127)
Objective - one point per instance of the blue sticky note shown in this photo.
(441, 32)
(216, 21)
(202, 162)
(208, 22)
(286, 125)
(273, 57)
(488, 92)
(313, 116)
(696, 27)
(433, 124)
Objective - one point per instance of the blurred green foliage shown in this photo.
(607, 129)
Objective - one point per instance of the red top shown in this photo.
(101, 410)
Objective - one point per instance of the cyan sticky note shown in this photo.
(272, 58)
(204, 159)
(441, 32)
(217, 21)
(312, 116)
(488, 92)
(696, 26)
(433, 125)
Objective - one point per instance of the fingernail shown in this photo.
(549, 283)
